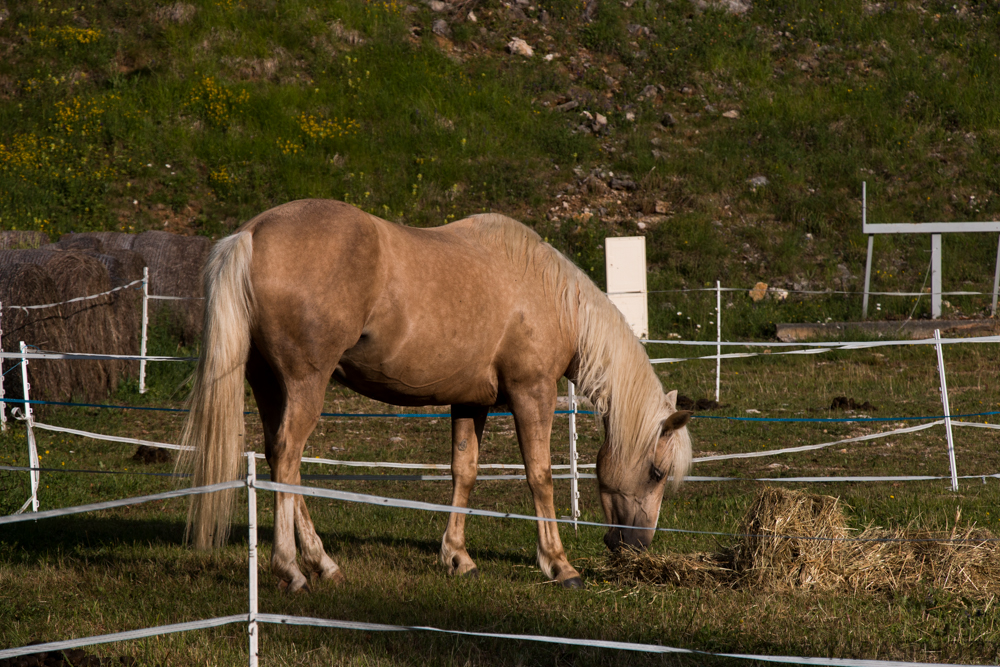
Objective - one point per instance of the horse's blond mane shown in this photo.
(613, 369)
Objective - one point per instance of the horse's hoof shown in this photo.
(294, 587)
(575, 583)
(336, 577)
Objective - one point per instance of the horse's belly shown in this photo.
(406, 385)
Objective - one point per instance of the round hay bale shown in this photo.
(124, 267)
(15, 239)
(28, 285)
(89, 323)
(175, 266)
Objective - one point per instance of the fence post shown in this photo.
(947, 410)
(574, 456)
(252, 519)
(718, 338)
(145, 326)
(33, 462)
(3, 403)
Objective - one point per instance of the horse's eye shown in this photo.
(656, 474)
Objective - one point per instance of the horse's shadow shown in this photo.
(96, 537)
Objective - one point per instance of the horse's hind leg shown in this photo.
(313, 554)
(467, 423)
(289, 412)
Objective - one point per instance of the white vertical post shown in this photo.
(3, 403)
(145, 326)
(574, 456)
(33, 462)
(935, 276)
(996, 281)
(718, 338)
(252, 518)
(871, 245)
(947, 410)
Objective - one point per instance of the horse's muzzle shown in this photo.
(617, 538)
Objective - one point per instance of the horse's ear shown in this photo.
(671, 399)
(676, 421)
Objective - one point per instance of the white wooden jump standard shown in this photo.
(935, 229)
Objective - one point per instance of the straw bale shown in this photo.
(15, 239)
(763, 553)
(27, 285)
(175, 264)
(772, 553)
(89, 324)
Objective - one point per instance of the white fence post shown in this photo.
(3, 403)
(574, 456)
(33, 462)
(947, 410)
(145, 326)
(252, 518)
(718, 338)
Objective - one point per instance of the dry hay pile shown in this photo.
(793, 540)
(123, 267)
(175, 263)
(89, 325)
(28, 284)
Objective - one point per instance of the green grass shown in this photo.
(253, 105)
(128, 568)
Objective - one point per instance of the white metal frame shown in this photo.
(935, 229)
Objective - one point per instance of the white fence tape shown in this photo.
(806, 448)
(854, 345)
(79, 298)
(108, 438)
(88, 356)
(590, 643)
(51, 647)
(111, 504)
(253, 618)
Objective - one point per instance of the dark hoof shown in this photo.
(575, 583)
(472, 574)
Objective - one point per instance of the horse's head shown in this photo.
(632, 484)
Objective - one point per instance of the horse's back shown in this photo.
(414, 315)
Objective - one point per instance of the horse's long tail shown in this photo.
(214, 428)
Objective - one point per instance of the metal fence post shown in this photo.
(3, 403)
(718, 338)
(145, 326)
(947, 410)
(252, 519)
(574, 456)
(33, 462)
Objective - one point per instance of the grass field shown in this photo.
(127, 568)
(192, 117)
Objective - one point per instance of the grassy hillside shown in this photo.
(735, 137)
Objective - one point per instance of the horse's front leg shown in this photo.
(467, 423)
(533, 409)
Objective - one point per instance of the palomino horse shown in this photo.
(473, 314)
